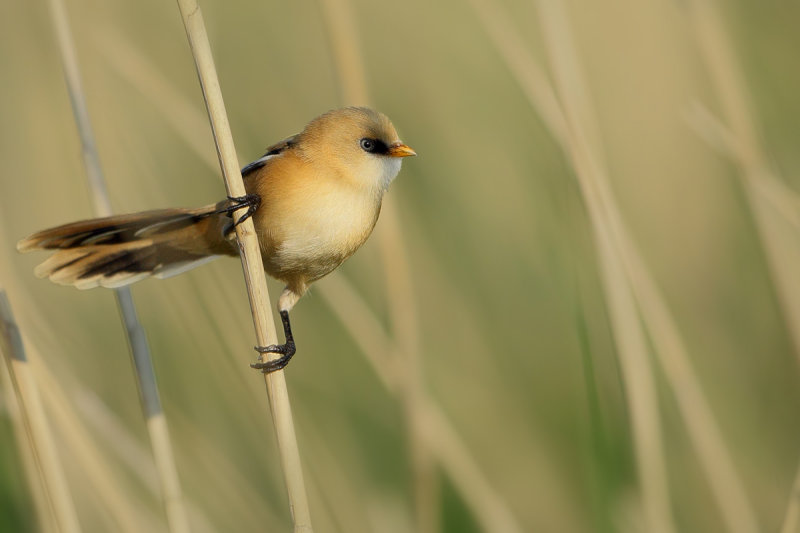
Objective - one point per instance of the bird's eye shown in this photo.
(368, 145)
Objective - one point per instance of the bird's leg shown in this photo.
(286, 350)
(250, 201)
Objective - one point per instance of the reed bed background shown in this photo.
(580, 312)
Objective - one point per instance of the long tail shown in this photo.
(119, 250)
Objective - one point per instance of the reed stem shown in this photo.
(255, 277)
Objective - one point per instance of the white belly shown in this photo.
(317, 240)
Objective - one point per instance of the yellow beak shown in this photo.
(401, 150)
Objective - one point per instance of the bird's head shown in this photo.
(360, 143)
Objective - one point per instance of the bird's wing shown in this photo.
(272, 151)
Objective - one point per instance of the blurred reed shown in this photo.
(766, 194)
(439, 436)
(126, 512)
(573, 127)
(26, 451)
(141, 361)
(630, 336)
(39, 437)
(774, 205)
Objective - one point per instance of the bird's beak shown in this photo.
(399, 149)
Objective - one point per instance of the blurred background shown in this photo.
(579, 311)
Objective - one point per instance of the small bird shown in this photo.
(314, 199)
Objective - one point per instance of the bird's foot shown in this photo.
(286, 350)
(250, 201)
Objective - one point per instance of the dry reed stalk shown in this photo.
(34, 420)
(362, 324)
(255, 278)
(343, 30)
(566, 126)
(152, 410)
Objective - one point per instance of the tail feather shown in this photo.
(119, 250)
(106, 266)
(58, 263)
(114, 229)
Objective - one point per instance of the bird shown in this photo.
(314, 199)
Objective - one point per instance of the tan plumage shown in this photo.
(319, 194)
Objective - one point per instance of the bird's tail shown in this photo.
(119, 250)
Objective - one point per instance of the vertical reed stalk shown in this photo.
(44, 447)
(137, 340)
(255, 278)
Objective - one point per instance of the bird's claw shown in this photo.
(286, 350)
(250, 201)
